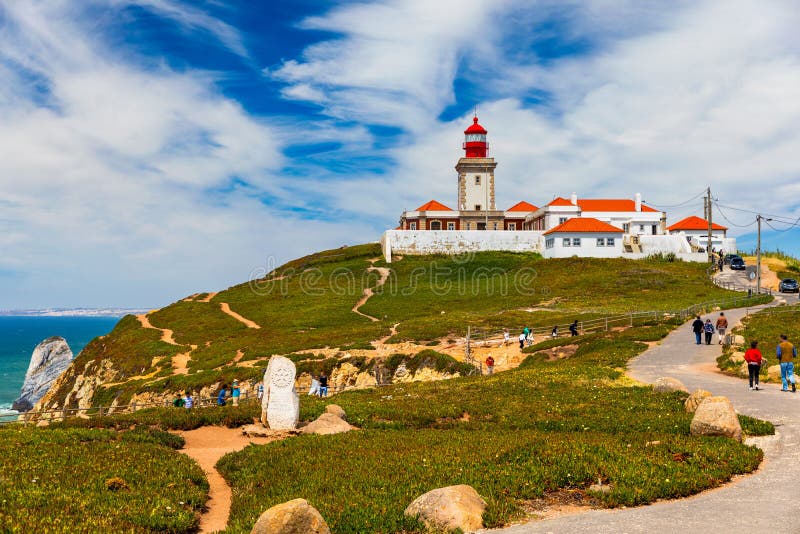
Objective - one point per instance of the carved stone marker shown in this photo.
(280, 406)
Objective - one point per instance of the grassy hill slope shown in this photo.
(307, 305)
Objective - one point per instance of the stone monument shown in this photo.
(280, 406)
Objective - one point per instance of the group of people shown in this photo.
(319, 385)
(708, 328)
(526, 337)
(233, 393)
(184, 401)
(786, 352)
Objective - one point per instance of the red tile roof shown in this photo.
(695, 223)
(523, 206)
(622, 204)
(433, 206)
(584, 224)
(599, 204)
(559, 201)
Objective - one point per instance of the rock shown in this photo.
(743, 369)
(715, 416)
(737, 340)
(449, 508)
(280, 406)
(600, 488)
(327, 423)
(257, 430)
(49, 360)
(366, 380)
(737, 357)
(292, 517)
(694, 400)
(336, 410)
(774, 373)
(343, 376)
(667, 384)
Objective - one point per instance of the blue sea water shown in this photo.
(20, 335)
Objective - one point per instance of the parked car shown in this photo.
(737, 264)
(789, 285)
(728, 257)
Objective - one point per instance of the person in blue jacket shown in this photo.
(221, 395)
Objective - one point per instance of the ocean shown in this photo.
(20, 335)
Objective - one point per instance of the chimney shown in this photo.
(574, 199)
(638, 202)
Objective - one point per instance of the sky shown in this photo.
(151, 149)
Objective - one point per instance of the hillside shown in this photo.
(308, 310)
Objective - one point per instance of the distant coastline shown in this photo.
(73, 312)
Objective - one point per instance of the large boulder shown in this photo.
(695, 399)
(293, 517)
(737, 340)
(715, 416)
(667, 384)
(774, 373)
(737, 357)
(450, 508)
(50, 358)
(336, 410)
(327, 423)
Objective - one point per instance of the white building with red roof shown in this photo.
(583, 236)
(695, 230)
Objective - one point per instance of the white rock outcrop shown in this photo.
(49, 360)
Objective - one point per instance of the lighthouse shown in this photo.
(476, 181)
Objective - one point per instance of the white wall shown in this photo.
(478, 194)
(653, 244)
(588, 248)
(416, 242)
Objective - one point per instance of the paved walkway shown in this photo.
(766, 501)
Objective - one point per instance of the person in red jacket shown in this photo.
(753, 358)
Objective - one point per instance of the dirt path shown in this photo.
(369, 292)
(247, 322)
(181, 361)
(166, 333)
(206, 445)
(208, 297)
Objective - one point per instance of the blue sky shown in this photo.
(150, 149)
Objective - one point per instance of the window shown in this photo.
(655, 229)
(477, 179)
(495, 226)
(626, 227)
(477, 207)
(451, 226)
(549, 242)
(512, 226)
(641, 228)
(412, 226)
(562, 220)
(436, 225)
(566, 242)
(576, 241)
(609, 241)
(601, 242)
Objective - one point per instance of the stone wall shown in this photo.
(457, 242)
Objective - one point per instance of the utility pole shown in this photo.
(708, 245)
(758, 257)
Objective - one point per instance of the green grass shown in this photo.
(428, 297)
(57, 480)
(513, 436)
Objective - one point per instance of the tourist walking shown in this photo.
(506, 338)
(754, 361)
(235, 392)
(314, 389)
(323, 385)
(260, 390)
(223, 391)
(521, 341)
(528, 335)
(554, 332)
(708, 328)
(786, 353)
(573, 328)
(188, 401)
(697, 328)
(722, 326)
(489, 365)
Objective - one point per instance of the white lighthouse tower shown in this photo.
(476, 181)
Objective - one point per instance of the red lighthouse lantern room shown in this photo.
(475, 143)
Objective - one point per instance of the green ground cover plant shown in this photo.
(514, 436)
(94, 480)
(307, 304)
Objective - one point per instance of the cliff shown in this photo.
(49, 360)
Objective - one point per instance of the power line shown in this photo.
(664, 206)
(795, 223)
(784, 219)
(730, 221)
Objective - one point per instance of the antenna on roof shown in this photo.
(476, 111)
